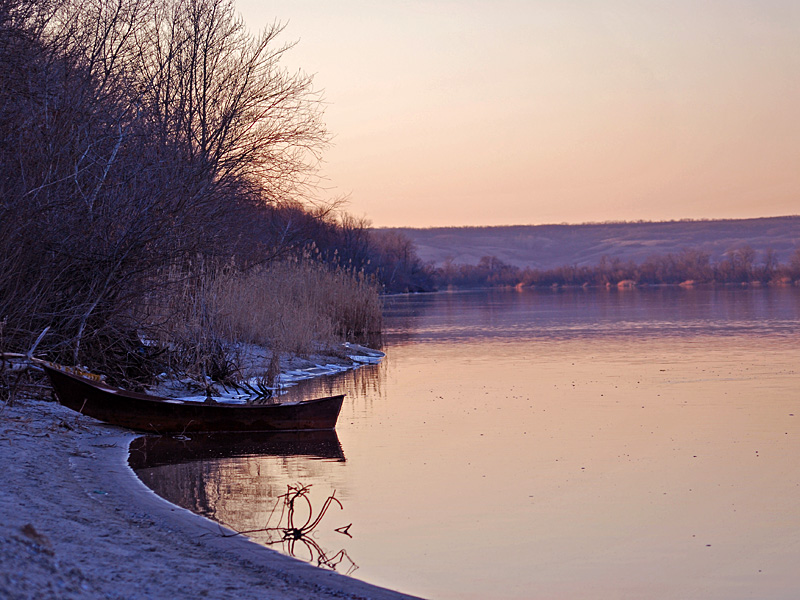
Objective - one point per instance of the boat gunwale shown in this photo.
(104, 387)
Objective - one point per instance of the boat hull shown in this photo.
(144, 412)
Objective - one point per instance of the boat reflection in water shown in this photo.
(247, 480)
(149, 451)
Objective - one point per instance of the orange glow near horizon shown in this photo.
(511, 112)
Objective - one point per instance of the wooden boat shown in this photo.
(144, 412)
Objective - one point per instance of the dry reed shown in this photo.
(297, 307)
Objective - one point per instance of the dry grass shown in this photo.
(290, 307)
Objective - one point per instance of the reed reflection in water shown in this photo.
(572, 445)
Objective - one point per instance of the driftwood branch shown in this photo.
(290, 533)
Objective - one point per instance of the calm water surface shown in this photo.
(639, 444)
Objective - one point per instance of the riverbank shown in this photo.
(75, 522)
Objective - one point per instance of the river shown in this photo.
(573, 445)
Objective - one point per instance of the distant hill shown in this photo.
(550, 246)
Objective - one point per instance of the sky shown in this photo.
(504, 112)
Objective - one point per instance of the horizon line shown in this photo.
(590, 223)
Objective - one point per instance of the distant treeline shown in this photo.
(740, 266)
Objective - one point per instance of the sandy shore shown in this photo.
(75, 522)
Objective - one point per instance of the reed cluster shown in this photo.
(296, 306)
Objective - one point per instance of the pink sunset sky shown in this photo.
(547, 111)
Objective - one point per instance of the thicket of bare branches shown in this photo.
(222, 93)
(136, 135)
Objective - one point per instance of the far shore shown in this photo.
(625, 284)
(77, 523)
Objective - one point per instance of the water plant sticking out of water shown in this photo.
(295, 533)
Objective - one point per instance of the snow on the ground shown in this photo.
(293, 370)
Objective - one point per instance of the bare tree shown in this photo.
(224, 96)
